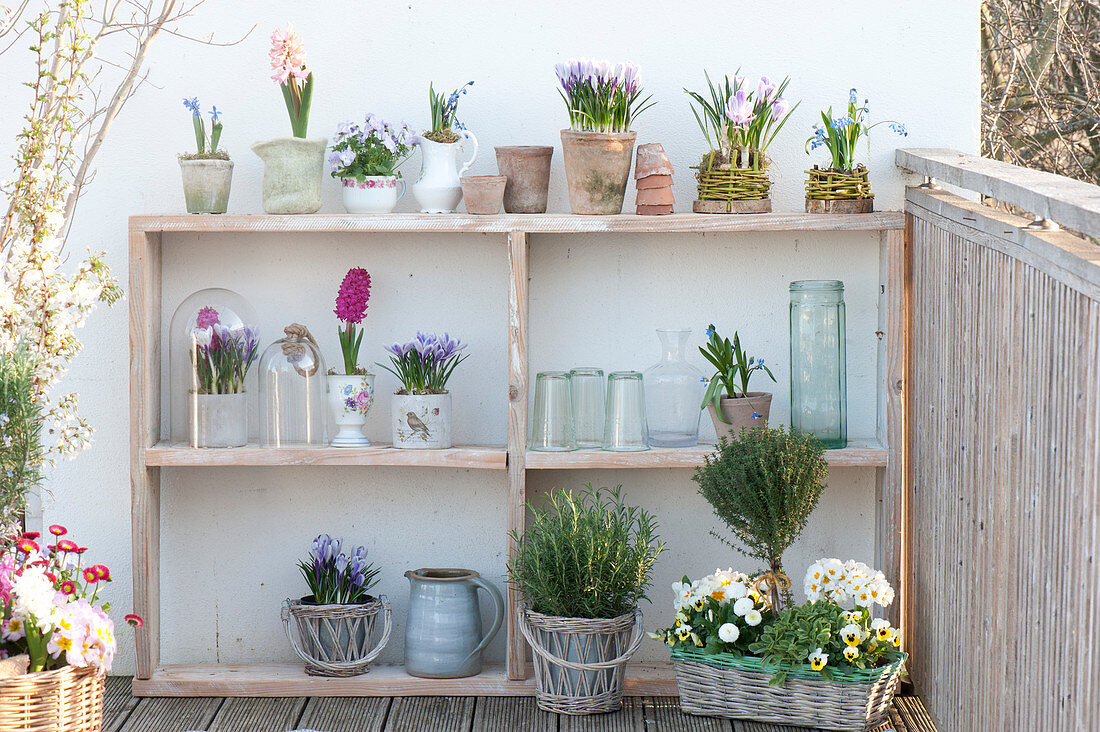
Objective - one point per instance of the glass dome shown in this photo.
(213, 346)
(292, 391)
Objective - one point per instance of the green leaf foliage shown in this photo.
(21, 451)
(585, 554)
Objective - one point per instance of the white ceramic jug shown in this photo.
(439, 190)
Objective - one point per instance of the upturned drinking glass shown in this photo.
(552, 422)
(588, 405)
(819, 398)
(673, 390)
(625, 428)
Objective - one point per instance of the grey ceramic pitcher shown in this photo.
(443, 638)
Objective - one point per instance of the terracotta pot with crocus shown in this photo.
(293, 166)
(731, 405)
(351, 393)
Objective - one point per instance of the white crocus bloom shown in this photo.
(742, 606)
(729, 633)
(753, 617)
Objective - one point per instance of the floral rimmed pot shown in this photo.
(421, 421)
(375, 194)
(350, 398)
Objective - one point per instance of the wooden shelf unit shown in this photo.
(148, 454)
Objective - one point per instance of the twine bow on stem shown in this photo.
(294, 350)
(767, 586)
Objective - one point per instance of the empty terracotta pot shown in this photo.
(527, 168)
(597, 166)
(484, 194)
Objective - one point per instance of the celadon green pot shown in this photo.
(293, 170)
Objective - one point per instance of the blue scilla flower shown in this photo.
(899, 128)
(192, 104)
(852, 96)
(214, 115)
(756, 415)
(841, 122)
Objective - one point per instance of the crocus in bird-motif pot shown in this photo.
(420, 412)
(351, 393)
(365, 158)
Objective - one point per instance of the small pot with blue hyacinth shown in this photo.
(844, 186)
(207, 172)
(420, 410)
(336, 622)
(731, 405)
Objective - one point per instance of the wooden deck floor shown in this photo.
(125, 713)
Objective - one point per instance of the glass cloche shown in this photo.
(214, 339)
(292, 391)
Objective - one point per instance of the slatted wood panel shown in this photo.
(496, 713)
(436, 713)
(1004, 413)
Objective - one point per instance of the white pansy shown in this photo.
(880, 623)
(743, 605)
(729, 633)
(753, 617)
(851, 653)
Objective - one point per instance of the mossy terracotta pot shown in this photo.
(597, 167)
(293, 169)
(484, 194)
(206, 185)
(527, 168)
(747, 411)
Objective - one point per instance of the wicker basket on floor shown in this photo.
(337, 640)
(68, 699)
(737, 687)
(580, 663)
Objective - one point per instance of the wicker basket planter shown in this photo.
(731, 188)
(736, 687)
(69, 699)
(839, 191)
(336, 640)
(580, 663)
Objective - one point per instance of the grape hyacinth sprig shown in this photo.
(351, 308)
(336, 577)
(601, 97)
(839, 135)
(444, 110)
(424, 365)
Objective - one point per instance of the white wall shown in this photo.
(231, 536)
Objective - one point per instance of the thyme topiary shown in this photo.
(585, 555)
(764, 485)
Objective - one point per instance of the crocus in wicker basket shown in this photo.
(582, 566)
(817, 664)
(56, 638)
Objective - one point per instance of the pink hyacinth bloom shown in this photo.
(208, 317)
(288, 55)
(351, 302)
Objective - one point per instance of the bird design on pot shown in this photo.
(417, 426)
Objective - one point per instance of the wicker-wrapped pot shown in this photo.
(580, 663)
(736, 687)
(839, 191)
(68, 699)
(337, 640)
(739, 186)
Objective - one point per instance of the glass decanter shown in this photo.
(673, 391)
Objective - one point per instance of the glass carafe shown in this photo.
(819, 398)
(673, 390)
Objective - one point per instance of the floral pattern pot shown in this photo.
(376, 194)
(350, 398)
(421, 421)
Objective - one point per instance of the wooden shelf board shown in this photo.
(281, 680)
(478, 457)
(550, 223)
(859, 453)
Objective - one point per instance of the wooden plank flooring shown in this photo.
(124, 713)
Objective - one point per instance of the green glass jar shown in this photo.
(819, 392)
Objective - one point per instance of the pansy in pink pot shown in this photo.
(365, 157)
(351, 393)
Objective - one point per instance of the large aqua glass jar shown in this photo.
(819, 391)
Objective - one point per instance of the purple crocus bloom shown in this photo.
(739, 110)
(630, 77)
(779, 108)
(764, 90)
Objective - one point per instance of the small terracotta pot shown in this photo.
(484, 194)
(597, 167)
(527, 168)
(740, 410)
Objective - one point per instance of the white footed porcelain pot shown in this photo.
(421, 421)
(438, 190)
(350, 398)
(376, 194)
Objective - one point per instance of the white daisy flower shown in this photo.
(729, 633)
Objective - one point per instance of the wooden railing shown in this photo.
(1003, 466)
